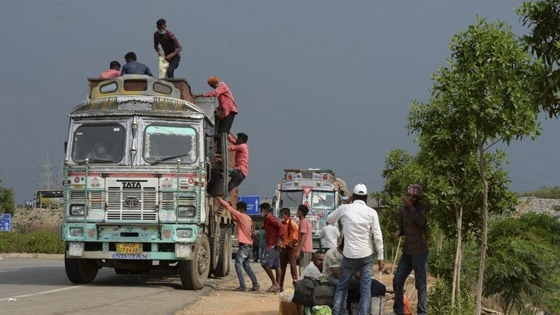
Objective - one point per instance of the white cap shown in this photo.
(360, 190)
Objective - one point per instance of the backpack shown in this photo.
(310, 292)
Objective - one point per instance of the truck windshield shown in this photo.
(98, 143)
(291, 199)
(166, 144)
(322, 200)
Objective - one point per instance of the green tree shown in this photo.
(543, 18)
(523, 262)
(485, 95)
(7, 204)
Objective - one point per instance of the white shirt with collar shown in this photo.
(359, 222)
(330, 235)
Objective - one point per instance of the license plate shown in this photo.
(129, 248)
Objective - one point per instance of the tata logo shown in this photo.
(131, 202)
(131, 185)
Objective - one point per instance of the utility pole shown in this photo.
(47, 175)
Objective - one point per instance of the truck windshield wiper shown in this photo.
(167, 158)
(95, 160)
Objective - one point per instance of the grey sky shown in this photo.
(325, 84)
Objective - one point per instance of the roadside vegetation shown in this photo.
(46, 242)
(492, 90)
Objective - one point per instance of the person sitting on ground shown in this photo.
(134, 67)
(113, 72)
(315, 269)
(331, 267)
(169, 44)
(227, 106)
(239, 173)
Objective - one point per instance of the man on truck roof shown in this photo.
(227, 105)
(243, 256)
(134, 67)
(169, 44)
(113, 72)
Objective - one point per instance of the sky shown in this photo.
(319, 84)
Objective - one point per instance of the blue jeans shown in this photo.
(236, 178)
(407, 263)
(347, 270)
(243, 261)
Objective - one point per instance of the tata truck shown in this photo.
(320, 190)
(141, 179)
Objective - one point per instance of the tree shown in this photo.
(544, 41)
(523, 259)
(7, 204)
(484, 97)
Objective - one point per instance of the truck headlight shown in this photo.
(77, 210)
(186, 211)
(76, 232)
(184, 233)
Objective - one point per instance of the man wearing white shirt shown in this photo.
(330, 235)
(359, 222)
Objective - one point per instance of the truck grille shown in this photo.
(132, 204)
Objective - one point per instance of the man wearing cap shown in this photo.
(359, 222)
(412, 225)
(227, 107)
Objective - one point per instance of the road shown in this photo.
(40, 286)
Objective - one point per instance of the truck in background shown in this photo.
(141, 179)
(320, 190)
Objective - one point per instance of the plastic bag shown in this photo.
(163, 65)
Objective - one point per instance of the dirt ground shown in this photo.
(226, 301)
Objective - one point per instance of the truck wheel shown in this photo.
(225, 254)
(215, 240)
(80, 270)
(194, 273)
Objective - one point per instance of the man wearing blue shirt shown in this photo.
(134, 67)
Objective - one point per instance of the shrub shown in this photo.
(35, 242)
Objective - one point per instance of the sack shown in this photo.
(310, 292)
(163, 65)
(317, 310)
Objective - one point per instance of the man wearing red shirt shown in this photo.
(239, 173)
(304, 247)
(274, 237)
(243, 256)
(227, 107)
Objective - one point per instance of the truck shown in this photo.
(142, 174)
(320, 190)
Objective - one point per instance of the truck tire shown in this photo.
(224, 259)
(215, 239)
(79, 270)
(194, 273)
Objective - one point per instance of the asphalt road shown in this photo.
(40, 286)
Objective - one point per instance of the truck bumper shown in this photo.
(164, 242)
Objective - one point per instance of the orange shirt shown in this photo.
(290, 232)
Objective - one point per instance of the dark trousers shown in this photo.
(173, 64)
(407, 263)
(287, 257)
(226, 123)
(236, 178)
(255, 253)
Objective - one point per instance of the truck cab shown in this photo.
(141, 179)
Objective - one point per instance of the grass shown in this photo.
(46, 242)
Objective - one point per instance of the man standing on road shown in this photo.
(227, 106)
(169, 44)
(330, 235)
(287, 252)
(243, 256)
(359, 222)
(274, 237)
(412, 225)
(304, 247)
(134, 67)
